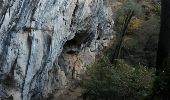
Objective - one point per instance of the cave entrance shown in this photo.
(74, 45)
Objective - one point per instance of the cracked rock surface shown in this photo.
(45, 42)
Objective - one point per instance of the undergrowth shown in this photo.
(121, 82)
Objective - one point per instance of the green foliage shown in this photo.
(153, 7)
(135, 24)
(157, 7)
(161, 88)
(124, 81)
(123, 10)
(109, 82)
(129, 5)
(141, 46)
(148, 40)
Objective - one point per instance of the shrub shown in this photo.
(121, 82)
(122, 11)
(161, 87)
(135, 24)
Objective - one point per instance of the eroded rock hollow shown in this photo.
(43, 43)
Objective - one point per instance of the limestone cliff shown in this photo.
(43, 43)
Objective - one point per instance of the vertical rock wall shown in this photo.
(38, 37)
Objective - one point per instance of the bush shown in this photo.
(161, 87)
(121, 82)
(135, 24)
(123, 10)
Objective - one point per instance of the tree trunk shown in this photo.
(118, 48)
(161, 87)
(164, 37)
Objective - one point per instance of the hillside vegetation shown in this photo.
(126, 70)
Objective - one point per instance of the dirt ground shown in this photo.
(70, 94)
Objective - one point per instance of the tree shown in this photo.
(129, 9)
(161, 87)
(164, 37)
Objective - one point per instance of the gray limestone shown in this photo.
(37, 37)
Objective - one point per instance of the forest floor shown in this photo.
(70, 94)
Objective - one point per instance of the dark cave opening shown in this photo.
(74, 45)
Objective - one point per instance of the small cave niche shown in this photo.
(73, 46)
(71, 49)
(71, 52)
(98, 38)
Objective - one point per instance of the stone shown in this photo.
(37, 37)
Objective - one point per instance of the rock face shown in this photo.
(43, 43)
